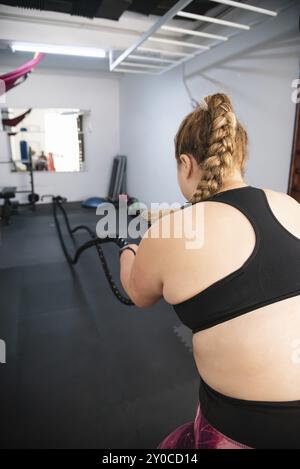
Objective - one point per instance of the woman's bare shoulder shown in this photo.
(281, 198)
(286, 209)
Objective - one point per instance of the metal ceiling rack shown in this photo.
(152, 59)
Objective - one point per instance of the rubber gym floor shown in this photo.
(82, 370)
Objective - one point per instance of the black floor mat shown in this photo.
(83, 370)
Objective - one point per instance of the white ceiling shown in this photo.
(19, 24)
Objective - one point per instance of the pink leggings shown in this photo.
(198, 435)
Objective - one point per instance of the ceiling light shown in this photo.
(64, 50)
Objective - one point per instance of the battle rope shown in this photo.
(57, 204)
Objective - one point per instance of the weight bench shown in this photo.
(7, 193)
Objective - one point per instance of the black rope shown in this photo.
(94, 242)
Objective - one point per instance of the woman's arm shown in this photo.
(141, 275)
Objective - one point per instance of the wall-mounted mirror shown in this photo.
(49, 139)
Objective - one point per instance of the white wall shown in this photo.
(256, 69)
(139, 115)
(97, 93)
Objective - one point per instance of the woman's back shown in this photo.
(254, 356)
(231, 268)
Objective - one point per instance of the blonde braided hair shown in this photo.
(216, 139)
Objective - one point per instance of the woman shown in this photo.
(239, 291)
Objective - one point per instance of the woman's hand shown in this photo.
(127, 259)
(127, 251)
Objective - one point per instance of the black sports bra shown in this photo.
(270, 274)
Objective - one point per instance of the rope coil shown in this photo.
(94, 242)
